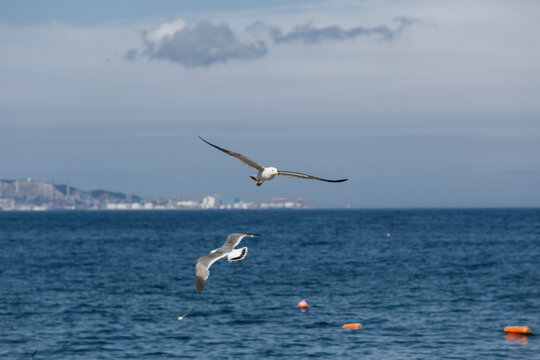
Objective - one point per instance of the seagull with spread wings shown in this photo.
(202, 268)
(180, 317)
(267, 173)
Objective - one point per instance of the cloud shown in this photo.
(206, 43)
(131, 54)
(311, 35)
(203, 45)
(164, 30)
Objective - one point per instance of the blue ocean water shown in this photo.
(100, 285)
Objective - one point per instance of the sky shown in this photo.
(419, 104)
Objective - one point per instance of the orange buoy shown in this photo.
(352, 326)
(302, 305)
(517, 329)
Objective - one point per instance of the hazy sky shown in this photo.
(420, 104)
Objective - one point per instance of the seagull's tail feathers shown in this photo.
(253, 177)
(237, 254)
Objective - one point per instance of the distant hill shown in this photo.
(63, 188)
(28, 191)
(103, 194)
(40, 192)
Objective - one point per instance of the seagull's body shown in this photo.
(267, 173)
(180, 317)
(202, 268)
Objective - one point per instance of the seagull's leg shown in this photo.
(260, 183)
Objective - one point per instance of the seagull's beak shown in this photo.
(277, 172)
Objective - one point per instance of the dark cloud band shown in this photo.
(312, 35)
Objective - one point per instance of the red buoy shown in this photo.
(302, 305)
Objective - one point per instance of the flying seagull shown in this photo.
(267, 173)
(180, 317)
(202, 268)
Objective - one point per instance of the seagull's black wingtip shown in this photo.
(209, 143)
(335, 181)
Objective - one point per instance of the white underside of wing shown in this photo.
(237, 254)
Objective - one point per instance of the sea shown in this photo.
(424, 284)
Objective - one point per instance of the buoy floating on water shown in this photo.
(352, 326)
(302, 305)
(517, 330)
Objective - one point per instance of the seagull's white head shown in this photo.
(273, 171)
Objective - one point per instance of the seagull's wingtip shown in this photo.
(199, 284)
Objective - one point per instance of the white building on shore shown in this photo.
(210, 202)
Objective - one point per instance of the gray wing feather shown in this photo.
(240, 157)
(233, 240)
(202, 269)
(306, 176)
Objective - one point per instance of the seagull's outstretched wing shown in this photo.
(178, 316)
(202, 269)
(306, 176)
(240, 157)
(234, 239)
(186, 314)
(33, 354)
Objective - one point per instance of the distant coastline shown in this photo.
(37, 195)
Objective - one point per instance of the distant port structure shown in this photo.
(38, 195)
